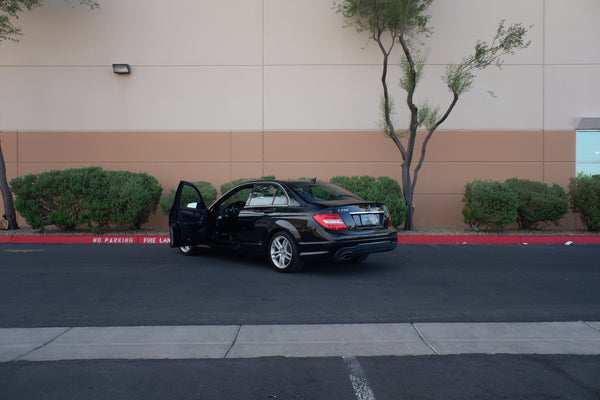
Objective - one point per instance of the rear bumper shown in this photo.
(350, 252)
(348, 249)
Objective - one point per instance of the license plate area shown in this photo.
(368, 219)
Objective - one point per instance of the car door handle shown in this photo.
(270, 210)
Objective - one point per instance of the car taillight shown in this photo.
(331, 221)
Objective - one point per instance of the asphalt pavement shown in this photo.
(137, 285)
(471, 320)
(277, 378)
(150, 302)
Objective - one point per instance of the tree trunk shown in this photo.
(408, 196)
(409, 223)
(9, 208)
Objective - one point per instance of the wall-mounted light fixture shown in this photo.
(123, 69)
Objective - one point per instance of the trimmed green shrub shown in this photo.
(91, 196)
(489, 205)
(207, 190)
(585, 199)
(63, 198)
(226, 187)
(383, 190)
(539, 204)
(132, 197)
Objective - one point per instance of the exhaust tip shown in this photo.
(346, 256)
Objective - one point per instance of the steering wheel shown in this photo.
(236, 208)
(225, 212)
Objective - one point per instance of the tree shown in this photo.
(404, 22)
(10, 9)
(9, 208)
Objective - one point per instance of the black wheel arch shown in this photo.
(278, 226)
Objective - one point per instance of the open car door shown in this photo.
(188, 218)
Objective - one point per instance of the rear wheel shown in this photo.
(283, 253)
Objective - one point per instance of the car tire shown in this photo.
(283, 253)
(187, 250)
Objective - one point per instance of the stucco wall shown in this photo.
(454, 158)
(222, 90)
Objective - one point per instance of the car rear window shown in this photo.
(321, 191)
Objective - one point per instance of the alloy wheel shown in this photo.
(283, 253)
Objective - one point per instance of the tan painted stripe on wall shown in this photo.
(453, 158)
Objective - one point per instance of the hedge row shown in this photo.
(86, 196)
(99, 198)
(491, 205)
(383, 189)
(584, 191)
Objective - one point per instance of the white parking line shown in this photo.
(360, 383)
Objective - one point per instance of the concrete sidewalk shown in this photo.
(249, 341)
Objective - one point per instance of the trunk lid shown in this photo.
(361, 215)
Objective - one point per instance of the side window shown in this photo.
(190, 198)
(239, 196)
(280, 199)
(267, 195)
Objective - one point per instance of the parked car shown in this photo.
(288, 221)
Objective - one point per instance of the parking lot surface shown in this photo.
(425, 321)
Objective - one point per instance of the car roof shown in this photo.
(288, 181)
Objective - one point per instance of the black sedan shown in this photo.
(288, 221)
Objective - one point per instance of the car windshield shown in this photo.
(321, 191)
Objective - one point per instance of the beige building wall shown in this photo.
(223, 90)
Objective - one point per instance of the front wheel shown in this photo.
(187, 250)
(283, 253)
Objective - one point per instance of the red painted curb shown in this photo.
(458, 239)
(86, 239)
(402, 239)
(498, 239)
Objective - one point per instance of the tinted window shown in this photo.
(321, 191)
(190, 198)
(235, 197)
(267, 194)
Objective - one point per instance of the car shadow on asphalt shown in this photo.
(313, 267)
(338, 268)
